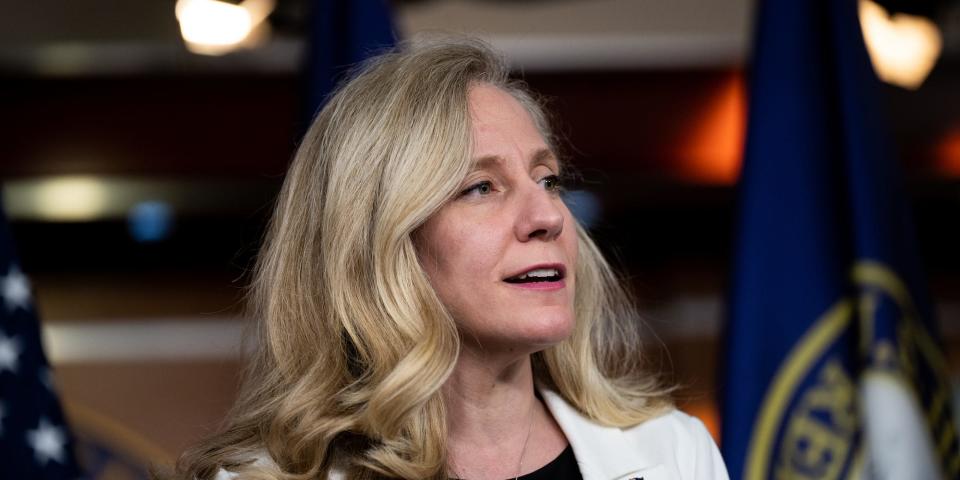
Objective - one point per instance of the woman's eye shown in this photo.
(480, 188)
(552, 183)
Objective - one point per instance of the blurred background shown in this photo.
(140, 155)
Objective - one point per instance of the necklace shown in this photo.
(523, 450)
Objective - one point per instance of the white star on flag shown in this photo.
(9, 352)
(15, 289)
(48, 442)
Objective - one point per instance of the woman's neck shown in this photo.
(497, 428)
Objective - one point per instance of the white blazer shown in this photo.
(674, 446)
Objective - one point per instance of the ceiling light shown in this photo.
(65, 199)
(903, 48)
(213, 27)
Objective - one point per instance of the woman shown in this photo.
(428, 307)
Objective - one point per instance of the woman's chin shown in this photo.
(548, 331)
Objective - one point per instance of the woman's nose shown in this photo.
(540, 215)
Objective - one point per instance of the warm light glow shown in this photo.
(903, 48)
(712, 148)
(70, 198)
(948, 153)
(213, 27)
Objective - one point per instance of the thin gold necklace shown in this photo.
(523, 450)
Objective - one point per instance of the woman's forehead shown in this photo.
(540, 156)
(502, 127)
(488, 102)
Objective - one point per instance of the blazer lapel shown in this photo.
(603, 453)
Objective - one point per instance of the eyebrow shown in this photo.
(542, 155)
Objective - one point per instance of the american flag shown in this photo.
(35, 442)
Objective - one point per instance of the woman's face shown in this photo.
(502, 254)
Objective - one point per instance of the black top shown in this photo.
(564, 467)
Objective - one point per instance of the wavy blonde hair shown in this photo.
(353, 344)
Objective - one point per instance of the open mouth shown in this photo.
(537, 275)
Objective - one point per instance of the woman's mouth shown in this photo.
(537, 275)
(539, 278)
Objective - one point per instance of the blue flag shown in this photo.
(34, 440)
(342, 33)
(834, 368)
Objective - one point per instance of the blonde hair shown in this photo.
(353, 342)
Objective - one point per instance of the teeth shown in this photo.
(541, 273)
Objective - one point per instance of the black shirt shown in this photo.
(564, 467)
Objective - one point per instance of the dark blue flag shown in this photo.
(342, 33)
(834, 368)
(34, 440)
